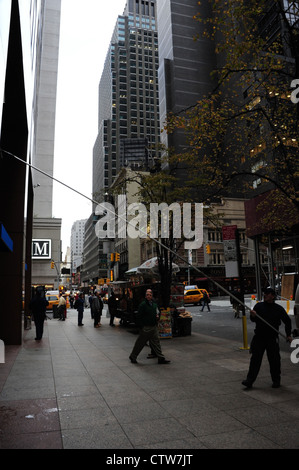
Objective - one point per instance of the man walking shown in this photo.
(206, 301)
(266, 337)
(147, 319)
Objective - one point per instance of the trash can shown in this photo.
(184, 326)
(55, 311)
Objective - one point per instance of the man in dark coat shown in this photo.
(96, 308)
(38, 306)
(79, 305)
(266, 337)
(112, 304)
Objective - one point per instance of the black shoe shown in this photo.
(163, 361)
(275, 385)
(247, 384)
(132, 360)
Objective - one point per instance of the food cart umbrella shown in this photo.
(151, 266)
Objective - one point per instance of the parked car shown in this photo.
(296, 312)
(194, 296)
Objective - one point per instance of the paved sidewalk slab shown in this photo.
(77, 389)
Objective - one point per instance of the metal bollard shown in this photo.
(245, 338)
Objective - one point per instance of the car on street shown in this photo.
(190, 287)
(53, 299)
(194, 296)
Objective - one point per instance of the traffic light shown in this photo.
(52, 264)
(114, 257)
(208, 249)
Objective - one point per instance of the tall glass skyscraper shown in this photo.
(185, 64)
(128, 127)
(128, 117)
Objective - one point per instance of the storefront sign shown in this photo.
(41, 249)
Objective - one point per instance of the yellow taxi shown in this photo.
(53, 299)
(194, 296)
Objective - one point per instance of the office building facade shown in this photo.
(128, 117)
(77, 243)
(45, 227)
(24, 31)
(185, 65)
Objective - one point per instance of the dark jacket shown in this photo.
(273, 314)
(97, 305)
(112, 304)
(38, 306)
(147, 314)
(79, 304)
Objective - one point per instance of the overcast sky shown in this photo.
(86, 31)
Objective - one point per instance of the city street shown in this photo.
(220, 322)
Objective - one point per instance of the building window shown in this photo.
(214, 235)
(216, 258)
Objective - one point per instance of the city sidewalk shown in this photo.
(77, 389)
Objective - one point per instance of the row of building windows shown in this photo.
(216, 236)
(216, 257)
(142, 7)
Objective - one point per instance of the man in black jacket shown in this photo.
(147, 319)
(112, 304)
(266, 337)
(38, 306)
